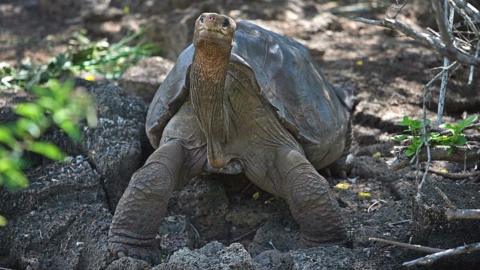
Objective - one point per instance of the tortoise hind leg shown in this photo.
(310, 199)
(144, 202)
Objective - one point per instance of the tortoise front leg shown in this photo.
(144, 202)
(310, 199)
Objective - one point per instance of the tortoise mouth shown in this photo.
(211, 35)
(215, 37)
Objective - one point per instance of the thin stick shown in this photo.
(441, 16)
(474, 28)
(400, 222)
(240, 237)
(431, 258)
(461, 214)
(425, 142)
(469, 9)
(445, 198)
(444, 23)
(195, 231)
(455, 176)
(400, 9)
(418, 248)
(425, 39)
(466, 17)
(472, 68)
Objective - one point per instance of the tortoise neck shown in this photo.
(207, 82)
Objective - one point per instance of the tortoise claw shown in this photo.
(150, 254)
(121, 254)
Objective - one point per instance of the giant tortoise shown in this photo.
(240, 99)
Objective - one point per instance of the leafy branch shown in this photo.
(451, 135)
(84, 58)
(56, 104)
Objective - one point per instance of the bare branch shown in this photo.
(445, 23)
(465, 16)
(429, 259)
(469, 9)
(455, 176)
(426, 143)
(405, 245)
(455, 214)
(472, 68)
(442, 22)
(425, 39)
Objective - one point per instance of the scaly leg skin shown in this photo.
(144, 202)
(343, 166)
(310, 199)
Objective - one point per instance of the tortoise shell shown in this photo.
(307, 105)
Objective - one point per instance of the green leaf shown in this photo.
(3, 221)
(412, 124)
(46, 149)
(459, 140)
(27, 126)
(6, 136)
(462, 124)
(61, 92)
(409, 152)
(71, 130)
(15, 179)
(6, 164)
(400, 138)
(29, 110)
(61, 116)
(49, 103)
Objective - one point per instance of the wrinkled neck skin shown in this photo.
(207, 82)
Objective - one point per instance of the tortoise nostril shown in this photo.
(210, 18)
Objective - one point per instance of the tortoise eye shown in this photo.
(201, 18)
(226, 22)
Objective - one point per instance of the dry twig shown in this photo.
(444, 19)
(425, 39)
(445, 198)
(456, 214)
(418, 248)
(455, 176)
(431, 258)
(469, 9)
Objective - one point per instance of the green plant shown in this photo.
(414, 139)
(83, 57)
(102, 58)
(56, 104)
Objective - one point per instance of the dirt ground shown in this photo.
(387, 72)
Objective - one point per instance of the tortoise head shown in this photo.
(212, 29)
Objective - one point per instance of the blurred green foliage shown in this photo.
(58, 104)
(414, 139)
(55, 104)
(83, 58)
